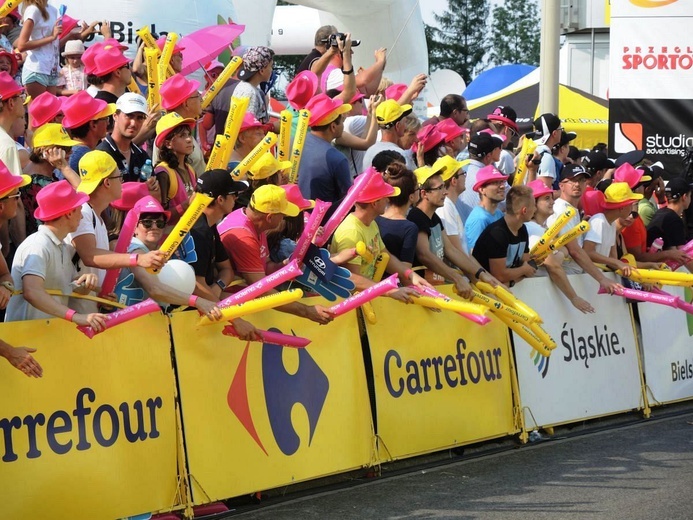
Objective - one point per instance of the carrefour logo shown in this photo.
(308, 386)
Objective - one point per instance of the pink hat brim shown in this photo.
(77, 200)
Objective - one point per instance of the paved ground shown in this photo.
(640, 472)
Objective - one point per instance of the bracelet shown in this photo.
(347, 72)
(69, 314)
(408, 274)
(192, 301)
(7, 285)
(479, 272)
(133, 259)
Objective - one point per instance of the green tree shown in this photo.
(459, 43)
(515, 35)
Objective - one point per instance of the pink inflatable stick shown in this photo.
(124, 239)
(148, 306)
(310, 229)
(369, 294)
(286, 273)
(275, 338)
(343, 209)
(680, 304)
(645, 296)
(476, 318)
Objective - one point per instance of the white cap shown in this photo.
(131, 102)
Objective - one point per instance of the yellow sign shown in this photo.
(440, 381)
(95, 437)
(261, 416)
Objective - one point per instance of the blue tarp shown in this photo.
(495, 79)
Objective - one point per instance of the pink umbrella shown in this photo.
(207, 43)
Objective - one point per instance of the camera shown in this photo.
(334, 38)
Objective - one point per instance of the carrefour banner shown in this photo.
(594, 370)
(95, 437)
(651, 70)
(258, 416)
(440, 380)
(667, 340)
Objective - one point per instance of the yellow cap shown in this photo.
(94, 167)
(425, 172)
(389, 112)
(448, 166)
(52, 134)
(267, 166)
(272, 199)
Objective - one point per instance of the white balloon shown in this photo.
(178, 274)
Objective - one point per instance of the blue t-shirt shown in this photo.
(324, 171)
(399, 237)
(478, 220)
(78, 151)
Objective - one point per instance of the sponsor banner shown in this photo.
(656, 63)
(440, 380)
(95, 437)
(594, 370)
(667, 349)
(663, 138)
(261, 416)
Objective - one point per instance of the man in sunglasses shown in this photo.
(130, 115)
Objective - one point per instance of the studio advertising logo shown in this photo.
(308, 386)
(631, 136)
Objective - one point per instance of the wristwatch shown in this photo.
(221, 284)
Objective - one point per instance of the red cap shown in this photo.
(8, 86)
(301, 89)
(176, 90)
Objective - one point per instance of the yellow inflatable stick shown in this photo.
(146, 36)
(165, 59)
(299, 141)
(229, 70)
(150, 57)
(660, 277)
(134, 87)
(232, 126)
(215, 160)
(526, 334)
(284, 151)
(365, 253)
(582, 228)
(197, 205)
(380, 266)
(509, 299)
(257, 305)
(542, 247)
(262, 147)
(499, 308)
(8, 6)
(543, 336)
(528, 147)
(451, 305)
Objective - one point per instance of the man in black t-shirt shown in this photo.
(668, 222)
(311, 61)
(503, 247)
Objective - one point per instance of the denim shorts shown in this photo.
(36, 77)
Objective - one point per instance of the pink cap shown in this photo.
(89, 55)
(176, 90)
(633, 176)
(57, 199)
(592, 201)
(250, 121)
(9, 181)
(8, 86)
(44, 108)
(81, 108)
(69, 24)
(488, 174)
(324, 110)
(162, 41)
(149, 204)
(449, 129)
(376, 189)
(293, 195)
(430, 137)
(109, 59)
(539, 189)
(301, 89)
(112, 42)
(131, 194)
(490, 132)
(214, 64)
(395, 91)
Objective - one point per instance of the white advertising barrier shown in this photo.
(667, 349)
(594, 370)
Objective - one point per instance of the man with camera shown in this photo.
(318, 58)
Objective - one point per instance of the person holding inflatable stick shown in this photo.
(221, 80)
(360, 226)
(244, 237)
(572, 185)
(551, 264)
(600, 240)
(433, 245)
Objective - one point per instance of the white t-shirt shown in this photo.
(91, 224)
(547, 167)
(355, 125)
(602, 234)
(560, 206)
(506, 163)
(44, 59)
(452, 222)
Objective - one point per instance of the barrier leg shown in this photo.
(646, 411)
(517, 401)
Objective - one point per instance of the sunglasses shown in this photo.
(148, 223)
(11, 197)
(438, 188)
(114, 177)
